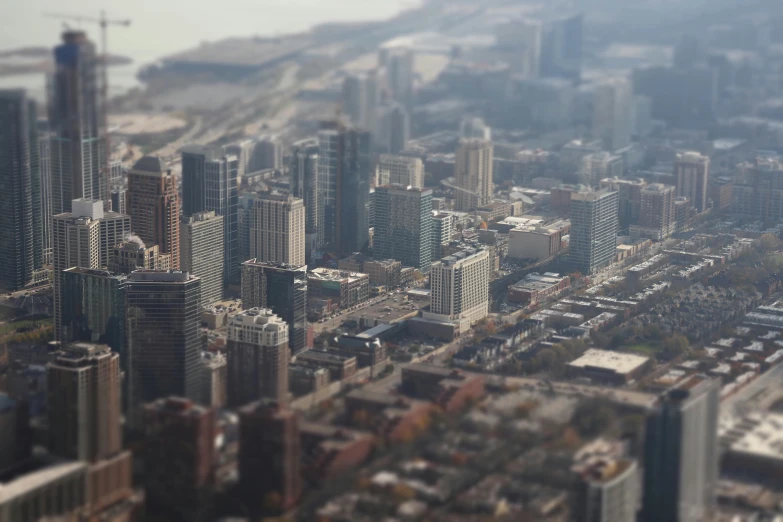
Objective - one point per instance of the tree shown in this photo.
(675, 346)
(768, 243)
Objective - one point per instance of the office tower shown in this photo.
(400, 170)
(269, 456)
(84, 402)
(473, 173)
(164, 344)
(132, 255)
(243, 150)
(522, 40)
(344, 173)
(441, 233)
(45, 162)
(209, 182)
(593, 230)
(681, 453)
(399, 63)
(656, 217)
(692, 173)
(153, 204)
(257, 354)
(83, 238)
(474, 128)
(94, 309)
(304, 185)
(78, 151)
(403, 228)
(282, 289)
(277, 229)
(119, 200)
(360, 98)
(214, 379)
(393, 129)
(202, 252)
(612, 112)
(460, 287)
(267, 154)
(179, 456)
(16, 443)
(20, 224)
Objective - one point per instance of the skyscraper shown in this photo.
(267, 154)
(202, 252)
(399, 63)
(153, 204)
(656, 216)
(77, 148)
(84, 402)
(473, 173)
(282, 289)
(209, 182)
(460, 287)
(522, 40)
(269, 455)
(45, 162)
(257, 357)
(179, 453)
(400, 170)
(360, 98)
(403, 225)
(681, 453)
(612, 112)
(393, 128)
(20, 178)
(163, 309)
(562, 45)
(692, 174)
(83, 238)
(344, 175)
(593, 230)
(277, 229)
(304, 185)
(243, 150)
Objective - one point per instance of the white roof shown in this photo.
(764, 438)
(618, 362)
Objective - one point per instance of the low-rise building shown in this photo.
(449, 389)
(755, 446)
(607, 366)
(340, 366)
(344, 289)
(534, 288)
(369, 352)
(382, 272)
(537, 241)
(330, 451)
(395, 419)
(306, 379)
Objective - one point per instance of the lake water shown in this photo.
(163, 27)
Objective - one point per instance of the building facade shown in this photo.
(657, 219)
(277, 229)
(202, 252)
(593, 236)
(473, 173)
(400, 170)
(403, 228)
(154, 207)
(460, 287)
(257, 356)
(304, 185)
(692, 174)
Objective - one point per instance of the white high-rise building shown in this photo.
(277, 229)
(201, 252)
(593, 235)
(460, 288)
(400, 170)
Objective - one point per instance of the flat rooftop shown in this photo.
(622, 363)
(762, 436)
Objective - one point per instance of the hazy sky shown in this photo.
(160, 27)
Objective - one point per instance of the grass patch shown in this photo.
(649, 349)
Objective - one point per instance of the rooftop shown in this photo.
(330, 274)
(760, 435)
(618, 362)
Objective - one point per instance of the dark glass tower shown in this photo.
(75, 117)
(163, 309)
(20, 226)
(304, 185)
(283, 289)
(403, 225)
(209, 182)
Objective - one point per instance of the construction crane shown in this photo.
(104, 24)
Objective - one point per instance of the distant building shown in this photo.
(534, 288)
(209, 182)
(154, 206)
(304, 174)
(257, 354)
(758, 193)
(657, 218)
(473, 173)
(202, 252)
(267, 154)
(460, 287)
(400, 170)
(393, 128)
(450, 389)
(692, 172)
(214, 379)
(132, 254)
(277, 229)
(344, 289)
(403, 228)
(243, 150)
(269, 456)
(382, 272)
(599, 165)
(474, 129)
(164, 340)
(593, 236)
(441, 232)
(612, 112)
(537, 241)
(629, 199)
(179, 458)
(681, 453)
(282, 289)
